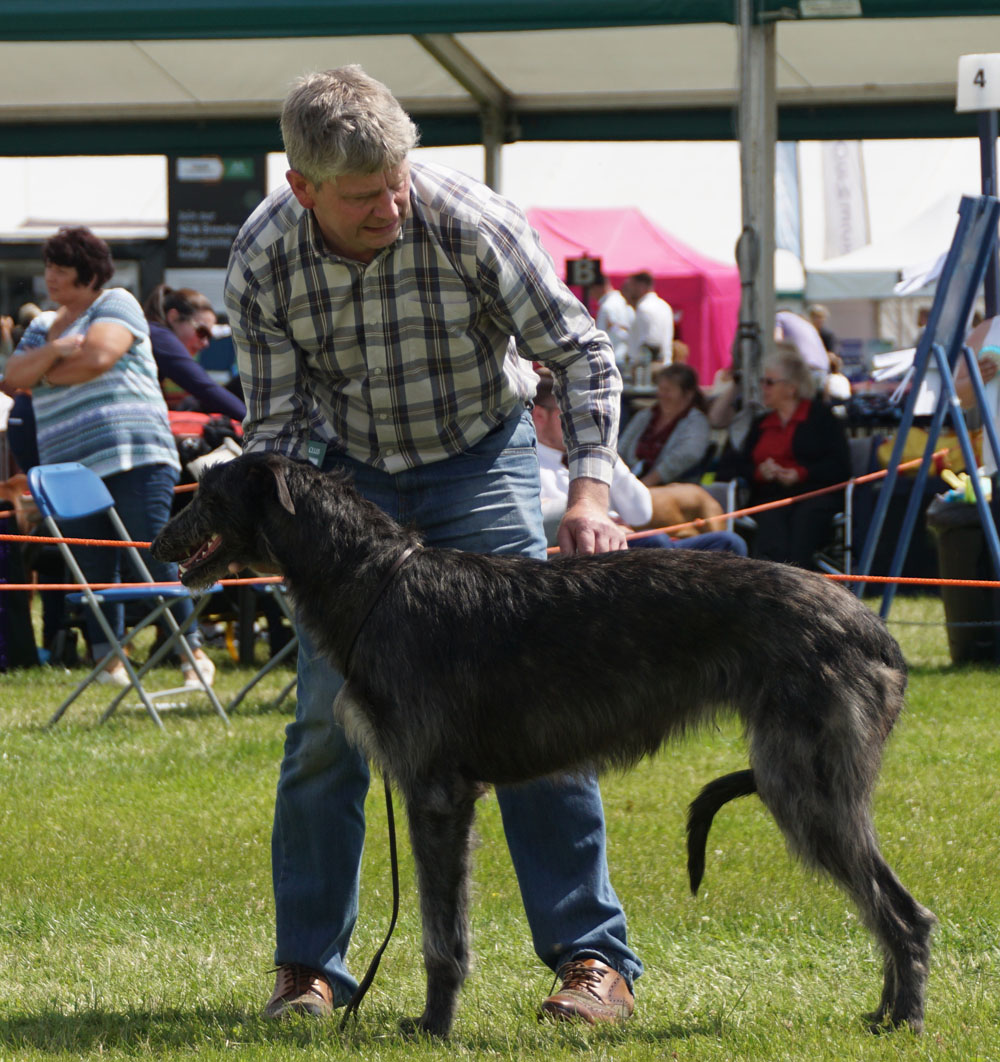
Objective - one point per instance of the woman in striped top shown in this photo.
(90, 369)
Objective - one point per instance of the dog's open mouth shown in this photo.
(200, 555)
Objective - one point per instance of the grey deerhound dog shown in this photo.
(464, 670)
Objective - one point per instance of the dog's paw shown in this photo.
(880, 1022)
(419, 1027)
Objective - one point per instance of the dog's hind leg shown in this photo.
(815, 774)
(903, 927)
(842, 842)
(441, 812)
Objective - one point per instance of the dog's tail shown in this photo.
(702, 811)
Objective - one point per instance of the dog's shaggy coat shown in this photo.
(476, 669)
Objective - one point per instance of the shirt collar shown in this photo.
(320, 248)
(800, 414)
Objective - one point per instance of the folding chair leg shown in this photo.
(71, 491)
(275, 660)
(284, 693)
(179, 640)
(116, 652)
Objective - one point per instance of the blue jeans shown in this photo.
(484, 500)
(143, 497)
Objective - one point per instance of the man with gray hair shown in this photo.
(385, 315)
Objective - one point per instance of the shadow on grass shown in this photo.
(195, 711)
(88, 1031)
(91, 1031)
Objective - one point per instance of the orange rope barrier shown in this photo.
(901, 580)
(259, 580)
(912, 580)
(48, 541)
(869, 477)
(781, 503)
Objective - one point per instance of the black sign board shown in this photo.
(582, 272)
(210, 197)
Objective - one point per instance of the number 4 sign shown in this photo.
(978, 83)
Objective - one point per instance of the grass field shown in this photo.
(136, 918)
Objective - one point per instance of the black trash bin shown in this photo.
(972, 613)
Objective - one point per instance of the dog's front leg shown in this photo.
(441, 811)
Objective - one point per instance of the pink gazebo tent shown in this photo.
(704, 294)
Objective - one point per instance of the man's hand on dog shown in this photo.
(586, 526)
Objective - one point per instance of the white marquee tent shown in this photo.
(874, 271)
(139, 76)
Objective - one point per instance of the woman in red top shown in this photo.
(796, 446)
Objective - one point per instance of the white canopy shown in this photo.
(141, 76)
(873, 271)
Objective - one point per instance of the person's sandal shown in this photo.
(116, 675)
(205, 668)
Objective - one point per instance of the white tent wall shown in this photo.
(873, 271)
(859, 288)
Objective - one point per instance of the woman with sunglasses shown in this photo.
(180, 327)
(796, 446)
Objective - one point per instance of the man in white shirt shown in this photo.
(652, 333)
(615, 317)
(630, 500)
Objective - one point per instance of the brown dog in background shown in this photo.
(679, 503)
(15, 491)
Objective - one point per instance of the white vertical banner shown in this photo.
(787, 213)
(845, 197)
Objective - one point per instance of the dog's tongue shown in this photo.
(202, 553)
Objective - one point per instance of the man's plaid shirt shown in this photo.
(415, 356)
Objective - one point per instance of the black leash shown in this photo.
(366, 982)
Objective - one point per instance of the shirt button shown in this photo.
(383, 416)
(377, 370)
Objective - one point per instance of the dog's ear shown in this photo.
(277, 469)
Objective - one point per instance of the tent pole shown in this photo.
(988, 173)
(758, 127)
(493, 123)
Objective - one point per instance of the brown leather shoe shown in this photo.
(591, 990)
(299, 990)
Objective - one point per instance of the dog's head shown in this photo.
(222, 530)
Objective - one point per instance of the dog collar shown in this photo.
(373, 600)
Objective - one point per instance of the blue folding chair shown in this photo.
(71, 491)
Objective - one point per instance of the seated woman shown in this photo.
(180, 327)
(669, 441)
(796, 446)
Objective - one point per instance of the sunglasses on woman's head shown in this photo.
(203, 331)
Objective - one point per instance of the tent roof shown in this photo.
(704, 294)
(625, 240)
(124, 76)
(872, 271)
